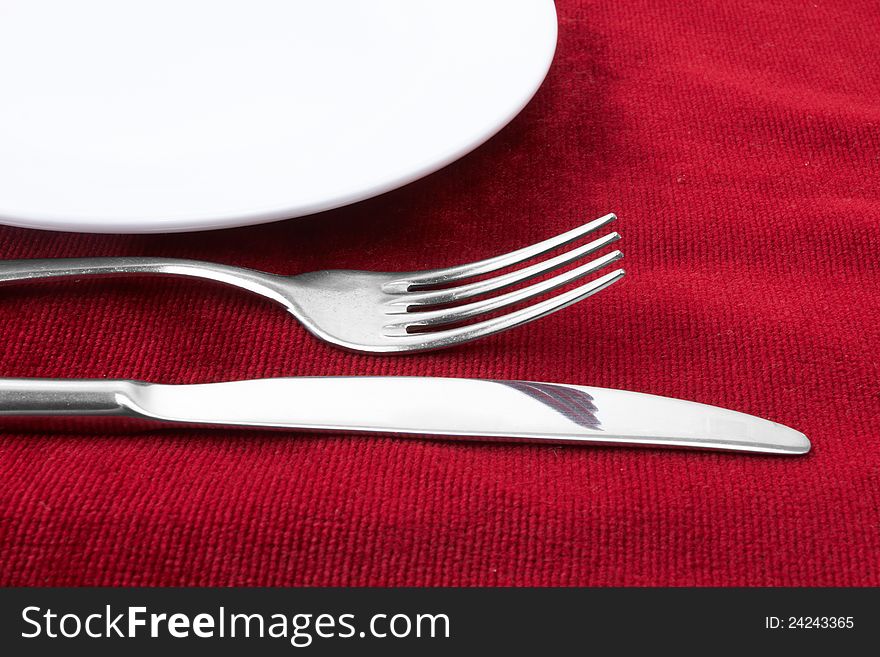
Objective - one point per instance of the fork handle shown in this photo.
(12, 271)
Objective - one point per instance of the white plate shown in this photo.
(173, 115)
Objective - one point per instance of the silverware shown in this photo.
(384, 312)
(463, 408)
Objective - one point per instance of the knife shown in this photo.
(420, 406)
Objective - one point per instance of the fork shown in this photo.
(385, 312)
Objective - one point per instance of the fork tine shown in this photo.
(459, 313)
(448, 295)
(434, 340)
(437, 276)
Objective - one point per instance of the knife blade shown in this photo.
(414, 406)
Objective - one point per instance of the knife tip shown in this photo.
(799, 443)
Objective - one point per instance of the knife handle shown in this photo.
(64, 397)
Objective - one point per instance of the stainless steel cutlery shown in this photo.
(395, 313)
(456, 408)
(392, 312)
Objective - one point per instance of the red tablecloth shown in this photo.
(740, 145)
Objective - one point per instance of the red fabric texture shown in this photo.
(740, 145)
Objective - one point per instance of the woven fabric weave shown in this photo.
(740, 145)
